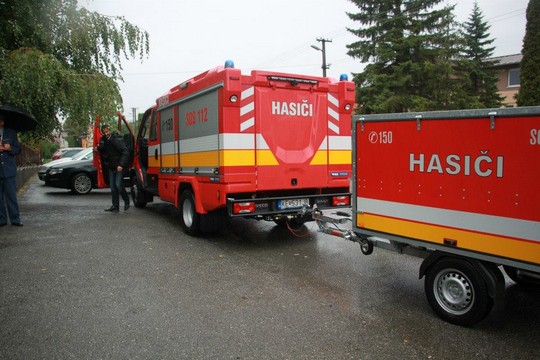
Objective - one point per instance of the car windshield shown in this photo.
(71, 152)
(84, 154)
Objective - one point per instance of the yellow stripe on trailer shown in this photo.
(517, 249)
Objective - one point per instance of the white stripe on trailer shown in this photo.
(489, 224)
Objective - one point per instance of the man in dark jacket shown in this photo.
(9, 147)
(115, 155)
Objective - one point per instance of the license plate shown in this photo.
(292, 203)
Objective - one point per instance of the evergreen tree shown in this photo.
(480, 81)
(529, 92)
(412, 48)
(60, 61)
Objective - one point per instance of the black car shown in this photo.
(78, 175)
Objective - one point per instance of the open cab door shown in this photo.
(123, 129)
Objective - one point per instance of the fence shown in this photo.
(28, 156)
(28, 162)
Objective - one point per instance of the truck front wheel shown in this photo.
(137, 194)
(457, 292)
(190, 219)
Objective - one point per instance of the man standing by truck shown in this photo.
(115, 157)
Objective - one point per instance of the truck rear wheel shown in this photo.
(190, 219)
(457, 292)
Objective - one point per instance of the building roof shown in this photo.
(507, 59)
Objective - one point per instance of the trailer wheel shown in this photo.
(366, 246)
(190, 219)
(457, 292)
(137, 194)
(81, 184)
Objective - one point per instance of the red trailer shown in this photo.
(459, 188)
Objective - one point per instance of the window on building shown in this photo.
(513, 77)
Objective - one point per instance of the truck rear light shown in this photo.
(244, 208)
(341, 201)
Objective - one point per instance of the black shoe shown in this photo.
(112, 209)
(126, 206)
(17, 224)
(3, 224)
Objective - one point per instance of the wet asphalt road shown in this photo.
(80, 283)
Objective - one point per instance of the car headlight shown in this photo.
(42, 168)
(56, 171)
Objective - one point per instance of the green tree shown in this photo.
(62, 62)
(529, 92)
(479, 80)
(411, 47)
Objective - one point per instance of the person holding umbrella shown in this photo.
(9, 147)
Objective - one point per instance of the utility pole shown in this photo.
(323, 41)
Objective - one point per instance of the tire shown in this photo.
(190, 219)
(137, 194)
(81, 184)
(457, 292)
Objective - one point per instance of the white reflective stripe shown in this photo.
(152, 149)
(248, 92)
(496, 225)
(168, 148)
(237, 141)
(333, 127)
(324, 144)
(261, 143)
(247, 108)
(203, 143)
(334, 101)
(339, 143)
(333, 113)
(247, 124)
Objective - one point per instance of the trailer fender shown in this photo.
(490, 273)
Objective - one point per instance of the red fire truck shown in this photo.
(261, 145)
(458, 188)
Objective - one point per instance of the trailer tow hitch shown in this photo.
(331, 226)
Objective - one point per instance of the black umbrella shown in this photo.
(16, 118)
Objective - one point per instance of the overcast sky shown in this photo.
(188, 37)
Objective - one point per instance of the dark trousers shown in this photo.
(116, 182)
(8, 197)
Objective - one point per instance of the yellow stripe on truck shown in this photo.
(244, 158)
(266, 158)
(332, 157)
(200, 159)
(169, 160)
(237, 157)
(524, 250)
(340, 157)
